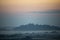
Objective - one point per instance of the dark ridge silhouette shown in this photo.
(26, 38)
(33, 27)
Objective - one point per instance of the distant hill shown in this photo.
(51, 12)
(32, 27)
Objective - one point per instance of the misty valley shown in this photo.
(31, 32)
(29, 19)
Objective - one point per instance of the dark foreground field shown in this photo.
(32, 36)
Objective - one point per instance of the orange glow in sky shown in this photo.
(29, 5)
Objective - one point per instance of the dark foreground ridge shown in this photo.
(32, 36)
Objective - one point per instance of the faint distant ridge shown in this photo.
(36, 27)
(51, 11)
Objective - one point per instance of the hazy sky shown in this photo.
(19, 12)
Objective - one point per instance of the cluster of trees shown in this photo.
(33, 27)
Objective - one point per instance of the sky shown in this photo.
(20, 12)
